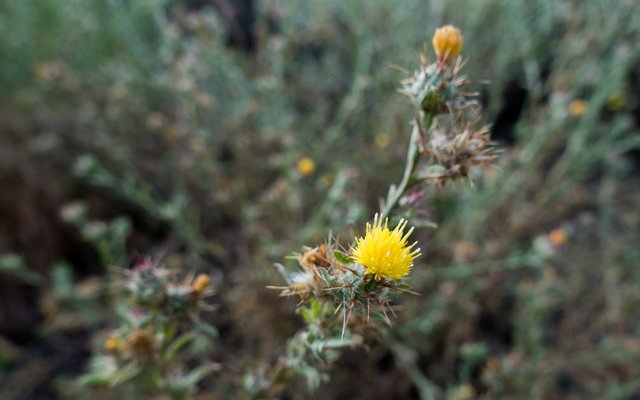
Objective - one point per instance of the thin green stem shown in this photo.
(413, 156)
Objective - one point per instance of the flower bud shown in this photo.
(447, 42)
(200, 284)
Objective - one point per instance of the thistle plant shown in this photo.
(342, 288)
(158, 337)
(444, 131)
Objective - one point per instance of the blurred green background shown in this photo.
(134, 127)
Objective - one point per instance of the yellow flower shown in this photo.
(382, 140)
(558, 237)
(385, 253)
(113, 343)
(200, 284)
(447, 42)
(306, 166)
(615, 101)
(577, 108)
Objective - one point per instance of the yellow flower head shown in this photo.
(558, 237)
(306, 166)
(113, 343)
(385, 253)
(615, 101)
(382, 140)
(577, 108)
(200, 284)
(447, 42)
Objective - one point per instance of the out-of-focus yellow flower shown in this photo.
(385, 253)
(113, 343)
(306, 166)
(382, 140)
(577, 108)
(615, 101)
(200, 284)
(447, 42)
(558, 237)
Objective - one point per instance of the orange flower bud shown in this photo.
(201, 283)
(577, 108)
(558, 237)
(447, 42)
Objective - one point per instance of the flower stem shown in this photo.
(413, 156)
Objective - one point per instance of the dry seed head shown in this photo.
(459, 149)
(142, 344)
(315, 257)
(447, 42)
(308, 281)
(303, 284)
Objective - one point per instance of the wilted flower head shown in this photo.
(142, 344)
(457, 150)
(314, 257)
(302, 284)
(306, 282)
(385, 253)
(447, 42)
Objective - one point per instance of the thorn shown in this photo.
(400, 68)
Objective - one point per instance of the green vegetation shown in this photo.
(132, 128)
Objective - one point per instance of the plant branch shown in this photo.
(413, 156)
